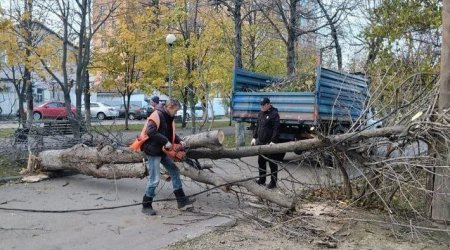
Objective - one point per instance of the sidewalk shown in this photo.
(123, 228)
(128, 228)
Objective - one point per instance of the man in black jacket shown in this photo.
(266, 132)
(161, 133)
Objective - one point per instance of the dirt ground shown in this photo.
(319, 226)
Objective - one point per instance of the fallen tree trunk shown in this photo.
(111, 163)
(294, 146)
(211, 139)
(248, 183)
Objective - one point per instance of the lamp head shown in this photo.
(170, 39)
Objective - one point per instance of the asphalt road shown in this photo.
(128, 228)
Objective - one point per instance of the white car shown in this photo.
(103, 111)
(198, 113)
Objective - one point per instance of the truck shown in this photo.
(338, 102)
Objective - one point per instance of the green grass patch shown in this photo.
(230, 140)
(9, 167)
(7, 132)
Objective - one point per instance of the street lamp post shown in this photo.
(170, 39)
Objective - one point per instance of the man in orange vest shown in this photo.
(161, 133)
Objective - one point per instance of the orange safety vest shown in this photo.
(143, 137)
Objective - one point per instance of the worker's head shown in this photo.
(265, 104)
(154, 101)
(172, 106)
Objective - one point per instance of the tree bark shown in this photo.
(441, 196)
(111, 163)
(295, 145)
(211, 139)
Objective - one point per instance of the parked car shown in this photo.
(102, 110)
(134, 112)
(51, 109)
(198, 113)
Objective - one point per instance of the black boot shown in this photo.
(273, 175)
(272, 184)
(182, 200)
(260, 182)
(147, 206)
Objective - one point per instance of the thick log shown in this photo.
(138, 170)
(99, 156)
(250, 185)
(309, 144)
(211, 139)
(111, 163)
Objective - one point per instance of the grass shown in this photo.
(9, 167)
(7, 132)
(230, 140)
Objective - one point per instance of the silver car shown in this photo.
(102, 111)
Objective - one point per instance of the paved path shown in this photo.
(125, 228)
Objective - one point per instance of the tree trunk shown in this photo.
(211, 139)
(441, 196)
(238, 34)
(110, 163)
(27, 72)
(292, 38)
(295, 145)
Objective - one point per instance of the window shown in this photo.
(39, 95)
(94, 105)
(53, 104)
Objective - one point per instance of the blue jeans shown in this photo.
(154, 175)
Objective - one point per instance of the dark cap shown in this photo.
(264, 101)
(155, 99)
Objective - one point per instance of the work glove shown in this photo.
(183, 144)
(253, 142)
(271, 143)
(168, 145)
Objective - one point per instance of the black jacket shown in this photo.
(158, 137)
(267, 127)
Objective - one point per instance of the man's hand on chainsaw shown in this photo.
(183, 144)
(168, 145)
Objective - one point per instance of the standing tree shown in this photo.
(122, 62)
(285, 18)
(88, 26)
(22, 34)
(333, 20)
(61, 65)
(234, 8)
(441, 195)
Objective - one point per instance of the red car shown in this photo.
(52, 109)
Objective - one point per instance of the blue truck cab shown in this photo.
(339, 100)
